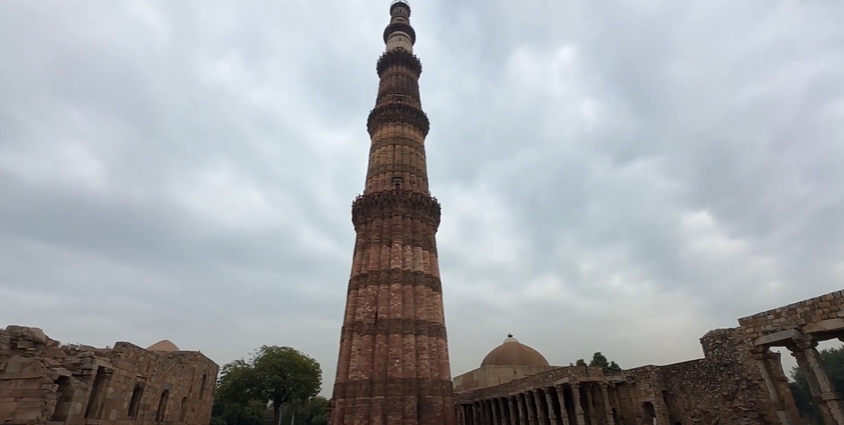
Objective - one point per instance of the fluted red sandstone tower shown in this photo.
(393, 367)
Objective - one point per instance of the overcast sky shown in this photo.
(616, 176)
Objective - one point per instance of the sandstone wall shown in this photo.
(794, 316)
(723, 387)
(42, 381)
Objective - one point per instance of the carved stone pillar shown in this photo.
(809, 361)
(590, 405)
(498, 415)
(578, 409)
(760, 357)
(479, 413)
(493, 406)
(617, 404)
(561, 397)
(549, 397)
(514, 413)
(540, 412)
(531, 408)
(521, 405)
(605, 395)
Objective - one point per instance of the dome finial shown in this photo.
(509, 335)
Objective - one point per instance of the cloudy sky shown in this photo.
(616, 176)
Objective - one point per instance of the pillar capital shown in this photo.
(801, 342)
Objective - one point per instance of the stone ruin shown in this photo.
(739, 381)
(45, 382)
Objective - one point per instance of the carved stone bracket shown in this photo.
(389, 203)
(398, 113)
(399, 57)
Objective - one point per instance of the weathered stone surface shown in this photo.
(393, 365)
(739, 380)
(42, 381)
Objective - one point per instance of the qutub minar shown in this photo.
(393, 366)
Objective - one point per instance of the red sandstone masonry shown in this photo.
(393, 366)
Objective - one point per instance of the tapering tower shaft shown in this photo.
(393, 366)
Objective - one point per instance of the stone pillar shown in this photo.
(479, 413)
(549, 401)
(502, 406)
(760, 356)
(540, 412)
(578, 409)
(514, 410)
(590, 405)
(607, 408)
(493, 405)
(531, 408)
(617, 404)
(561, 397)
(809, 360)
(520, 401)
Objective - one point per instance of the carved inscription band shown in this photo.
(396, 141)
(395, 276)
(399, 386)
(395, 168)
(413, 327)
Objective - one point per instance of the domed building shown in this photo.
(510, 360)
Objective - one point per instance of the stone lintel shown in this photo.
(829, 325)
(562, 381)
(781, 337)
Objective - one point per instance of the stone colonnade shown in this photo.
(576, 403)
(804, 349)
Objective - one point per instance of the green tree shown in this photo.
(600, 360)
(311, 412)
(833, 363)
(251, 413)
(273, 374)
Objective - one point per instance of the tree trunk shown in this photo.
(276, 412)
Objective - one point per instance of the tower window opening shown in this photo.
(397, 182)
(398, 97)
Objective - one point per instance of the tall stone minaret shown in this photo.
(393, 366)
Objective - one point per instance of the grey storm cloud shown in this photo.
(616, 176)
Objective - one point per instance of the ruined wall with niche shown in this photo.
(42, 381)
